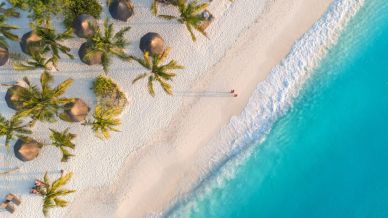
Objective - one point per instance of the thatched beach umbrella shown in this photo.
(152, 43)
(90, 59)
(27, 149)
(12, 97)
(31, 43)
(84, 25)
(77, 110)
(121, 9)
(4, 55)
(208, 19)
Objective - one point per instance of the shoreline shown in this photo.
(153, 164)
(255, 121)
(170, 147)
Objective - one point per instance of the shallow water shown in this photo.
(328, 155)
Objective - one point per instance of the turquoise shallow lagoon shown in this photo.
(328, 155)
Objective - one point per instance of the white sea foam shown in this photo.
(270, 100)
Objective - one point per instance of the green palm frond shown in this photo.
(52, 42)
(190, 29)
(104, 121)
(5, 29)
(40, 11)
(167, 17)
(45, 103)
(63, 140)
(37, 61)
(154, 5)
(140, 77)
(150, 85)
(74, 8)
(198, 8)
(52, 193)
(154, 8)
(119, 39)
(111, 101)
(62, 87)
(12, 129)
(109, 44)
(8, 12)
(159, 72)
(190, 16)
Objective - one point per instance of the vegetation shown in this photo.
(158, 72)
(190, 16)
(74, 8)
(154, 6)
(52, 43)
(5, 29)
(104, 121)
(40, 11)
(108, 43)
(63, 140)
(110, 103)
(43, 104)
(52, 192)
(37, 61)
(12, 129)
(108, 93)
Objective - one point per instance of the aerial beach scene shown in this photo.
(183, 108)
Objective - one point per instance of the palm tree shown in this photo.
(5, 32)
(12, 129)
(52, 41)
(158, 72)
(8, 12)
(5, 29)
(190, 16)
(75, 8)
(53, 192)
(63, 140)
(40, 11)
(43, 104)
(47, 40)
(103, 45)
(104, 121)
(37, 61)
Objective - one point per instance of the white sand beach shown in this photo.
(160, 152)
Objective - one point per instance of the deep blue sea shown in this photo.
(328, 155)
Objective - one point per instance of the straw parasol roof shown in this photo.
(152, 43)
(83, 25)
(121, 9)
(77, 110)
(27, 150)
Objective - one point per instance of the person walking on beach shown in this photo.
(233, 93)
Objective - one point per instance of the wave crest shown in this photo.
(271, 99)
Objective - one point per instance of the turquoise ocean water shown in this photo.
(328, 155)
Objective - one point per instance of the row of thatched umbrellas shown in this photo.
(77, 110)
(84, 27)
